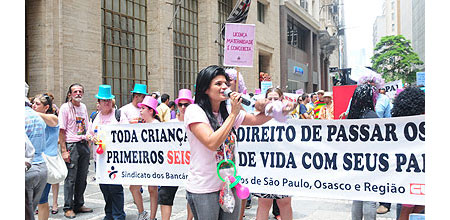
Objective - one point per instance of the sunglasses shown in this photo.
(183, 104)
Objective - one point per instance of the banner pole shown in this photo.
(238, 70)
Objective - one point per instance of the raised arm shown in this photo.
(49, 119)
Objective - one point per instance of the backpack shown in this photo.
(116, 113)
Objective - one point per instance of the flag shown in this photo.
(238, 14)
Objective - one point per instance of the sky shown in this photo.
(359, 18)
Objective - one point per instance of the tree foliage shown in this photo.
(395, 59)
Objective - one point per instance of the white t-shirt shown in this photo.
(202, 174)
(132, 113)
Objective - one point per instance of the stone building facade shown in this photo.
(121, 42)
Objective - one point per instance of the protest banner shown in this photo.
(367, 159)
(265, 85)
(239, 43)
(420, 78)
(144, 154)
(392, 87)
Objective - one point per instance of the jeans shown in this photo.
(365, 209)
(35, 180)
(206, 206)
(114, 199)
(44, 196)
(75, 182)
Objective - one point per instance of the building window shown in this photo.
(124, 46)
(296, 34)
(185, 44)
(393, 27)
(393, 16)
(225, 8)
(304, 4)
(261, 12)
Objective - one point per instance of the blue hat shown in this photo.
(140, 88)
(104, 92)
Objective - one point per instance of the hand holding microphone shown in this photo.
(245, 101)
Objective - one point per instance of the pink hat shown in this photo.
(150, 102)
(184, 94)
(257, 91)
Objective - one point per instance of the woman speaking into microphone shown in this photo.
(211, 131)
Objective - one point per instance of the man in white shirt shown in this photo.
(131, 110)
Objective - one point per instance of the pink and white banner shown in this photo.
(239, 43)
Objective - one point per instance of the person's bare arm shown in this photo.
(62, 142)
(49, 119)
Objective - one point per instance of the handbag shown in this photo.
(56, 168)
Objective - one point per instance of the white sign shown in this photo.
(391, 88)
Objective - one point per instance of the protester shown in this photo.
(319, 103)
(296, 113)
(211, 130)
(36, 172)
(173, 110)
(327, 111)
(233, 74)
(43, 105)
(166, 194)
(411, 101)
(304, 110)
(163, 108)
(149, 113)
(309, 108)
(383, 108)
(73, 124)
(265, 200)
(112, 193)
(361, 107)
(131, 110)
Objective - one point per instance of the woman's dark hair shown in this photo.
(362, 101)
(204, 78)
(410, 101)
(171, 103)
(70, 90)
(154, 113)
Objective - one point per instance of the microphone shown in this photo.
(244, 100)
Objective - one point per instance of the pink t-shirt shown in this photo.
(74, 120)
(132, 113)
(202, 174)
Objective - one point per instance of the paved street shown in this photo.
(304, 208)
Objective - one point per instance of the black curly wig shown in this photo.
(410, 101)
(362, 101)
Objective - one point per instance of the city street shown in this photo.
(304, 208)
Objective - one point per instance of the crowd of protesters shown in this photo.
(211, 119)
